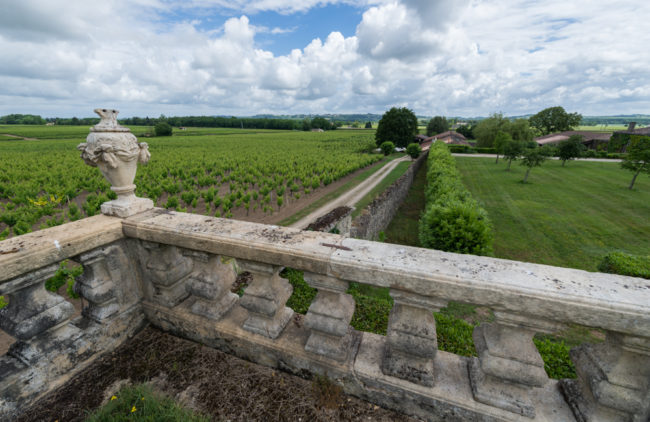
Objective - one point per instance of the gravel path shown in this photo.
(352, 196)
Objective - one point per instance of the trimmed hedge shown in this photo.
(452, 220)
(626, 264)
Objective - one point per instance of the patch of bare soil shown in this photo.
(207, 380)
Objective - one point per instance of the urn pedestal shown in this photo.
(116, 152)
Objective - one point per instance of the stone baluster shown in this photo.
(96, 286)
(265, 299)
(32, 309)
(411, 342)
(34, 316)
(508, 367)
(167, 269)
(210, 284)
(329, 317)
(613, 380)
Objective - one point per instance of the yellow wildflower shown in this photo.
(113, 398)
(133, 409)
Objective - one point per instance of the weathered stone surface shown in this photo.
(609, 301)
(167, 270)
(32, 309)
(612, 382)
(507, 369)
(96, 286)
(328, 318)
(265, 298)
(449, 399)
(411, 342)
(29, 252)
(116, 152)
(210, 284)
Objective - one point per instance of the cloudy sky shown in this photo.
(245, 57)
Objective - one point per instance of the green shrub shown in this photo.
(456, 226)
(141, 403)
(452, 220)
(163, 129)
(413, 150)
(454, 335)
(66, 274)
(387, 147)
(626, 264)
(3, 302)
(460, 149)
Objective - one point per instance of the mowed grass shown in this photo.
(565, 216)
(403, 228)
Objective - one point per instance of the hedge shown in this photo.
(626, 264)
(452, 220)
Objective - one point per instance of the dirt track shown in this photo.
(352, 196)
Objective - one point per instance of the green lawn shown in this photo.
(403, 228)
(566, 216)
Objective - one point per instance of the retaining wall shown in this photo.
(379, 213)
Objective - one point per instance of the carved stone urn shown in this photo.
(116, 151)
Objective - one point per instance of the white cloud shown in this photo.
(457, 58)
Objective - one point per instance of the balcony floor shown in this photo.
(207, 380)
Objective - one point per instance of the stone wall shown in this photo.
(379, 213)
(339, 221)
(174, 271)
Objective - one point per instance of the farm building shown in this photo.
(449, 137)
(589, 139)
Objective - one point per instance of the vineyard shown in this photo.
(219, 172)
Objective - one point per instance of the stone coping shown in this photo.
(23, 254)
(607, 301)
(612, 302)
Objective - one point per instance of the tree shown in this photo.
(570, 149)
(638, 157)
(532, 158)
(397, 125)
(306, 124)
(467, 130)
(554, 119)
(387, 147)
(413, 150)
(486, 130)
(368, 125)
(437, 125)
(162, 128)
(512, 150)
(520, 130)
(500, 142)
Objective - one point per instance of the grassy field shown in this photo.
(403, 228)
(566, 216)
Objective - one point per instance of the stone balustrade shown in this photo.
(174, 271)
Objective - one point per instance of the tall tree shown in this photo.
(570, 149)
(554, 119)
(500, 142)
(437, 125)
(397, 125)
(486, 130)
(638, 157)
(532, 158)
(512, 150)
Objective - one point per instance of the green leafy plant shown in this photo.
(141, 403)
(66, 274)
(626, 264)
